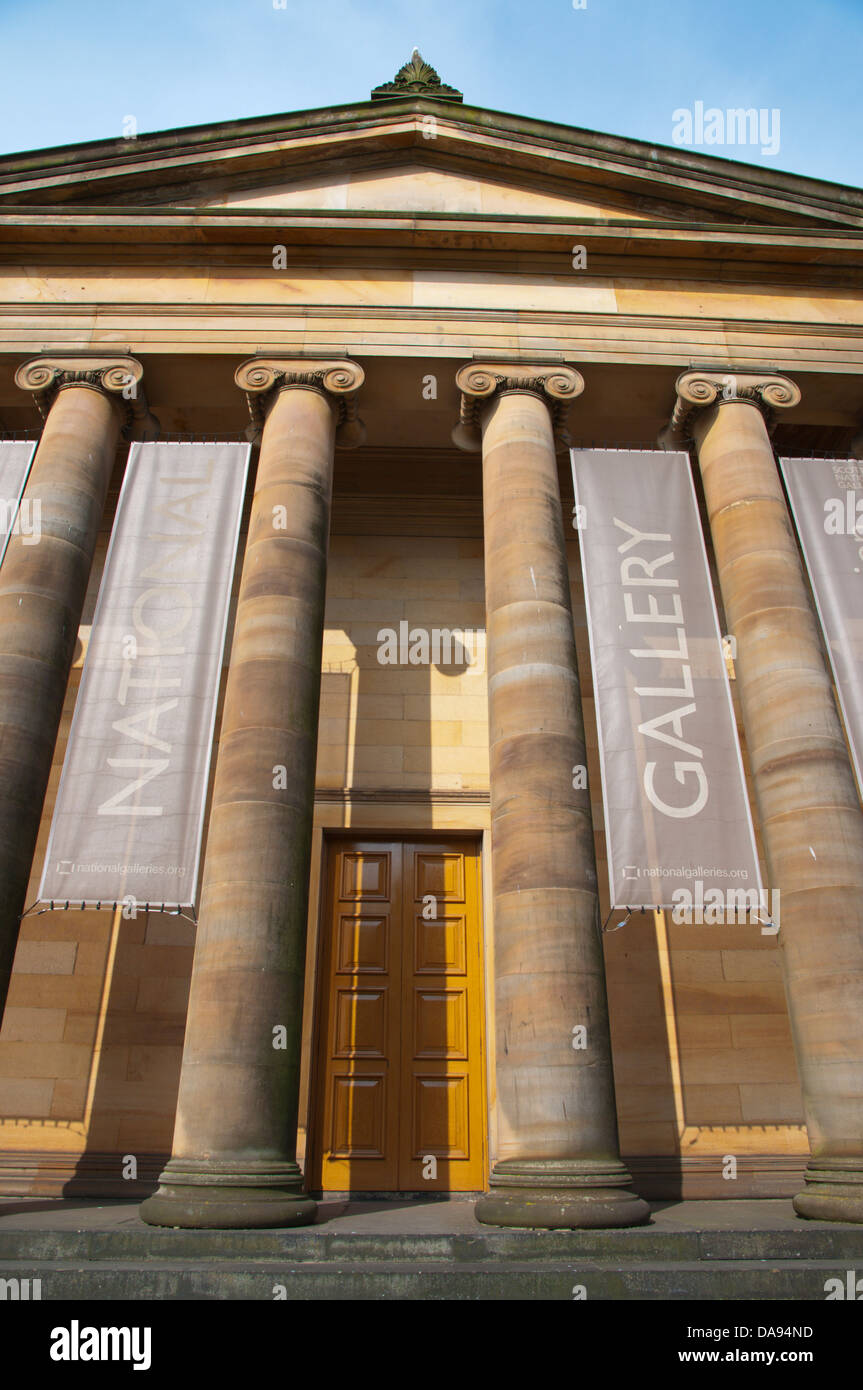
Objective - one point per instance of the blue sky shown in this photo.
(73, 70)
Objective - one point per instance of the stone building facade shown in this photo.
(416, 304)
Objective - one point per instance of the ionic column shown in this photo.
(558, 1161)
(807, 802)
(234, 1155)
(42, 590)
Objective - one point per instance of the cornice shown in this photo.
(523, 243)
(410, 313)
(236, 330)
(497, 139)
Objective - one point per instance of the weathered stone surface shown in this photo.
(234, 1156)
(809, 814)
(557, 1154)
(42, 591)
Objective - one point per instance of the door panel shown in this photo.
(400, 1058)
(360, 1018)
(442, 1098)
(358, 1117)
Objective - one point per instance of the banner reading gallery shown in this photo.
(674, 795)
(129, 816)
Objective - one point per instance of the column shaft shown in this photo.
(42, 590)
(558, 1161)
(234, 1158)
(807, 802)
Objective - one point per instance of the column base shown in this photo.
(833, 1191)
(555, 1194)
(207, 1195)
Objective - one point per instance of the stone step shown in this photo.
(548, 1278)
(733, 1250)
(318, 1245)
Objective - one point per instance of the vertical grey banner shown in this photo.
(129, 816)
(16, 456)
(826, 498)
(676, 811)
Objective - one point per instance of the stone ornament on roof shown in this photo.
(417, 79)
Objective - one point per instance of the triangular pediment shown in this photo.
(415, 157)
(416, 187)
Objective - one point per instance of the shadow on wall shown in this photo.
(92, 1037)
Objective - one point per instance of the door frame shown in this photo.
(317, 1070)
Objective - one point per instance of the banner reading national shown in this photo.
(129, 815)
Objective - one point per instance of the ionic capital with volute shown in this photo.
(700, 389)
(339, 379)
(118, 378)
(480, 382)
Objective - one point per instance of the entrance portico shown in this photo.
(282, 280)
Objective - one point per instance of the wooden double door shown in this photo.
(400, 1082)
